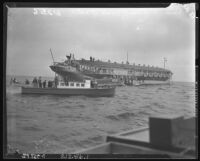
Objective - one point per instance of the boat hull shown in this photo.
(96, 92)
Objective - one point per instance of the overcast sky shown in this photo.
(148, 35)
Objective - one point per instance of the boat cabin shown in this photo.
(70, 84)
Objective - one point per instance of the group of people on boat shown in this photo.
(38, 83)
(14, 81)
(92, 59)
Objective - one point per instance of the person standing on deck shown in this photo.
(14, 80)
(56, 81)
(92, 83)
(44, 84)
(49, 84)
(40, 82)
(35, 82)
(95, 83)
(11, 81)
(27, 81)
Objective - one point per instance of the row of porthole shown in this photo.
(72, 84)
(112, 72)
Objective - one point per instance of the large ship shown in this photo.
(130, 74)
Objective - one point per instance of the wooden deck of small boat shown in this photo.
(157, 139)
(61, 91)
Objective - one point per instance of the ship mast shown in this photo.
(52, 56)
(52, 59)
(165, 60)
(127, 58)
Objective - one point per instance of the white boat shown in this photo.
(72, 88)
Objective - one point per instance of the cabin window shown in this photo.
(82, 85)
(62, 84)
(77, 84)
(71, 84)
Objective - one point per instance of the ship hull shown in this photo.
(95, 92)
(151, 82)
(98, 76)
(80, 76)
(72, 75)
(77, 75)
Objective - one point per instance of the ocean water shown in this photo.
(60, 124)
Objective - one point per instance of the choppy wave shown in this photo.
(53, 124)
(120, 116)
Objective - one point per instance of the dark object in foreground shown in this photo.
(169, 136)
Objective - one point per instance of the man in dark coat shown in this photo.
(56, 81)
(40, 82)
(44, 84)
(35, 82)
